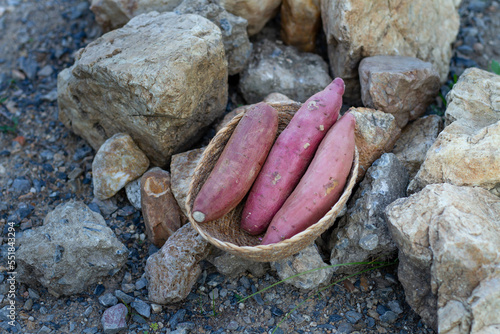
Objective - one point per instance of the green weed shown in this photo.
(10, 123)
(495, 67)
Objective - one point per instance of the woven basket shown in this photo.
(226, 234)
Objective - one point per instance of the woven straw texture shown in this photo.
(226, 234)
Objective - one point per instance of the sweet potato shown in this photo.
(320, 187)
(291, 154)
(238, 164)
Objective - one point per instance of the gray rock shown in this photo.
(165, 76)
(307, 259)
(133, 191)
(362, 233)
(234, 30)
(123, 297)
(141, 283)
(114, 319)
(416, 139)
(174, 269)
(108, 300)
(72, 250)
(231, 265)
(21, 185)
(447, 238)
(401, 86)
(389, 317)
(283, 69)
(141, 307)
(353, 316)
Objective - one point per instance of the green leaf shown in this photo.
(495, 67)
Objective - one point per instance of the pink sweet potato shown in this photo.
(290, 156)
(320, 187)
(238, 164)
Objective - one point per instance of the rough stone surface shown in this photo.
(163, 106)
(114, 319)
(282, 69)
(256, 12)
(357, 29)
(401, 86)
(467, 151)
(376, 133)
(117, 162)
(234, 30)
(182, 168)
(112, 14)
(300, 23)
(173, 270)
(307, 259)
(362, 233)
(72, 250)
(416, 139)
(447, 238)
(133, 191)
(231, 265)
(161, 213)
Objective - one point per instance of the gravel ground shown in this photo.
(43, 164)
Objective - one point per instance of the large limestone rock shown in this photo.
(356, 29)
(416, 139)
(401, 86)
(234, 30)
(117, 162)
(300, 23)
(173, 270)
(447, 238)
(161, 79)
(256, 12)
(71, 251)
(282, 69)
(467, 151)
(375, 133)
(112, 14)
(362, 234)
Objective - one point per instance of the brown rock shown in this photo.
(402, 86)
(117, 162)
(300, 23)
(173, 270)
(376, 133)
(182, 168)
(415, 141)
(162, 215)
(447, 238)
(356, 29)
(256, 12)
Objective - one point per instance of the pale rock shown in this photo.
(234, 30)
(117, 162)
(283, 69)
(485, 306)
(112, 14)
(133, 191)
(300, 23)
(467, 151)
(375, 133)
(174, 269)
(401, 86)
(307, 259)
(231, 265)
(271, 98)
(416, 139)
(71, 251)
(182, 169)
(356, 29)
(161, 213)
(447, 238)
(256, 12)
(114, 319)
(362, 234)
(161, 78)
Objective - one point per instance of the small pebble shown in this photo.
(108, 300)
(141, 307)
